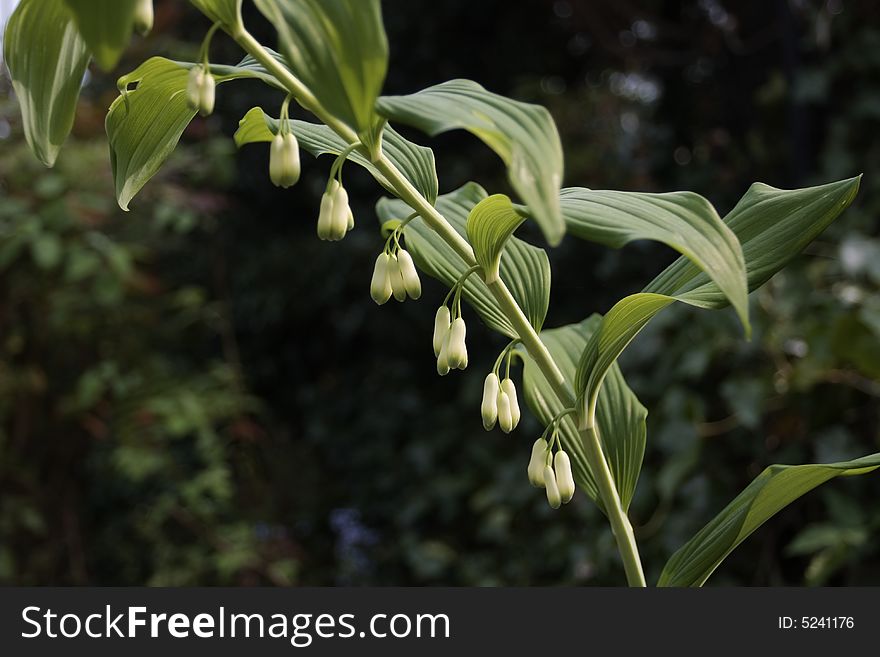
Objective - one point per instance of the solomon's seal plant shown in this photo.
(332, 59)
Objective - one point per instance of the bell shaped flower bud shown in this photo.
(284, 165)
(398, 287)
(505, 419)
(553, 496)
(326, 215)
(489, 407)
(143, 17)
(457, 349)
(564, 478)
(442, 324)
(443, 357)
(200, 90)
(339, 214)
(380, 285)
(508, 387)
(410, 276)
(537, 462)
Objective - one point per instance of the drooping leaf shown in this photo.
(620, 415)
(145, 123)
(684, 221)
(416, 162)
(774, 489)
(105, 26)
(524, 268)
(47, 59)
(490, 224)
(226, 12)
(338, 49)
(523, 135)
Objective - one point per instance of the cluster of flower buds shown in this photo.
(143, 16)
(449, 341)
(499, 403)
(335, 218)
(200, 90)
(395, 274)
(553, 473)
(284, 164)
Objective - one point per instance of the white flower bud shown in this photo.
(398, 288)
(508, 387)
(505, 419)
(200, 89)
(284, 164)
(326, 215)
(380, 285)
(489, 407)
(537, 463)
(564, 478)
(443, 358)
(441, 328)
(143, 17)
(553, 496)
(457, 350)
(410, 276)
(339, 214)
(350, 220)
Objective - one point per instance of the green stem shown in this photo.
(526, 333)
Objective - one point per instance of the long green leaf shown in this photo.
(338, 49)
(525, 268)
(416, 162)
(145, 123)
(684, 221)
(620, 415)
(106, 27)
(489, 226)
(523, 135)
(47, 59)
(775, 488)
(226, 12)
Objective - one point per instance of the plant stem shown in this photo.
(527, 335)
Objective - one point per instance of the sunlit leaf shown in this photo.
(105, 26)
(524, 268)
(416, 162)
(523, 135)
(774, 489)
(490, 224)
(226, 12)
(47, 59)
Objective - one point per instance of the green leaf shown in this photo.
(226, 12)
(773, 226)
(523, 135)
(490, 224)
(47, 60)
(620, 415)
(145, 123)
(338, 49)
(684, 221)
(525, 268)
(416, 162)
(106, 27)
(775, 488)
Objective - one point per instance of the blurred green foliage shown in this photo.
(200, 392)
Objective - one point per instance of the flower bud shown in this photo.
(505, 420)
(457, 350)
(380, 285)
(143, 17)
(397, 285)
(200, 89)
(537, 463)
(443, 358)
(326, 215)
(508, 387)
(409, 274)
(564, 478)
(284, 165)
(339, 214)
(553, 496)
(441, 328)
(489, 407)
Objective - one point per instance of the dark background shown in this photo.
(201, 392)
